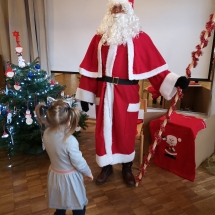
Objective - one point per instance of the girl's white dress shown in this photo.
(65, 187)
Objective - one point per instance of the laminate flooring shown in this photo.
(23, 181)
(23, 187)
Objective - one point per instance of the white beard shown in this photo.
(116, 29)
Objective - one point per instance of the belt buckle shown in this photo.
(117, 80)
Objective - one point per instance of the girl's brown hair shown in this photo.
(57, 115)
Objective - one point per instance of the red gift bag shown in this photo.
(176, 151)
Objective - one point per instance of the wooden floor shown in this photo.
(23, 184)
(23, 187)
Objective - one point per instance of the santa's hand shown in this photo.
(85, 106)
(182, 82)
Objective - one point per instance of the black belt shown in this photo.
(116, 80)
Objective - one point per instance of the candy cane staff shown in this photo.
(119, 55)
(205, 34)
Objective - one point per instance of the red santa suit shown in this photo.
(117, 105)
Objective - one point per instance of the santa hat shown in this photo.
(122, 2)
(5, 135)
(132, 2)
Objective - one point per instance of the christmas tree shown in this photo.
(26, 86)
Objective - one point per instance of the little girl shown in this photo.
(65, 186)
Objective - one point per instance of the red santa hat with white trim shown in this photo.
(114, 2)
(132, 2)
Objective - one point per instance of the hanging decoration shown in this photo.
(17, 86)
(9, 117)
(19, 50)
(52, 82)
(205, 34)
(5, 134)
(29, 120)
(9, 72)
(10, 130)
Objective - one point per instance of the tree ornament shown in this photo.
(17, 86)
(9, 117)
(4, 112)
(9, 72)
(29, 120)
(52, 83)
(5, 135)
(18, 49)
(62, 93)
(10, 130)
(37, 66)
(10, 92)
(30, 75)
(14, 110)
(6, 90)
(21, 61)
(16, 34)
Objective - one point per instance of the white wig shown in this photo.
(119, 34)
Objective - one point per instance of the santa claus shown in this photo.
(118, 56)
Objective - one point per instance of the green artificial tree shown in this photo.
(26, 86)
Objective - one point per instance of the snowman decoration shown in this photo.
(21, 61)
(9, 117)
(172, 141)
(29, 120)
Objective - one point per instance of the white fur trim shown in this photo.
(84, 95)
(89, 74)
(108, 118)
(100, 59)
(141, 114)
(148, 74)
(110, 59)
(116, 158)
(167, 88)
(130, 46)
(133, 107)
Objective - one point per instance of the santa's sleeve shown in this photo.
(164, 82)
(154, 67)
(89, 65)
(89, 72)
(87, 89)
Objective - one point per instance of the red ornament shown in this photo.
(18, 49)
(52, 83)
(9, 72)
(17, 86)
(5, 135)
(16, 34)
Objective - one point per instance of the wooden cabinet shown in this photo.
(1, 72)
(196, 98)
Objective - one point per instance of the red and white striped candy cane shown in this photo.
(205, 34)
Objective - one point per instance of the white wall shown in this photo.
(173, 25)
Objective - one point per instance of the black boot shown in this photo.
(60, 212)
(128, 175)
(102, 177)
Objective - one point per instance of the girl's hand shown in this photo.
(90, 177)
